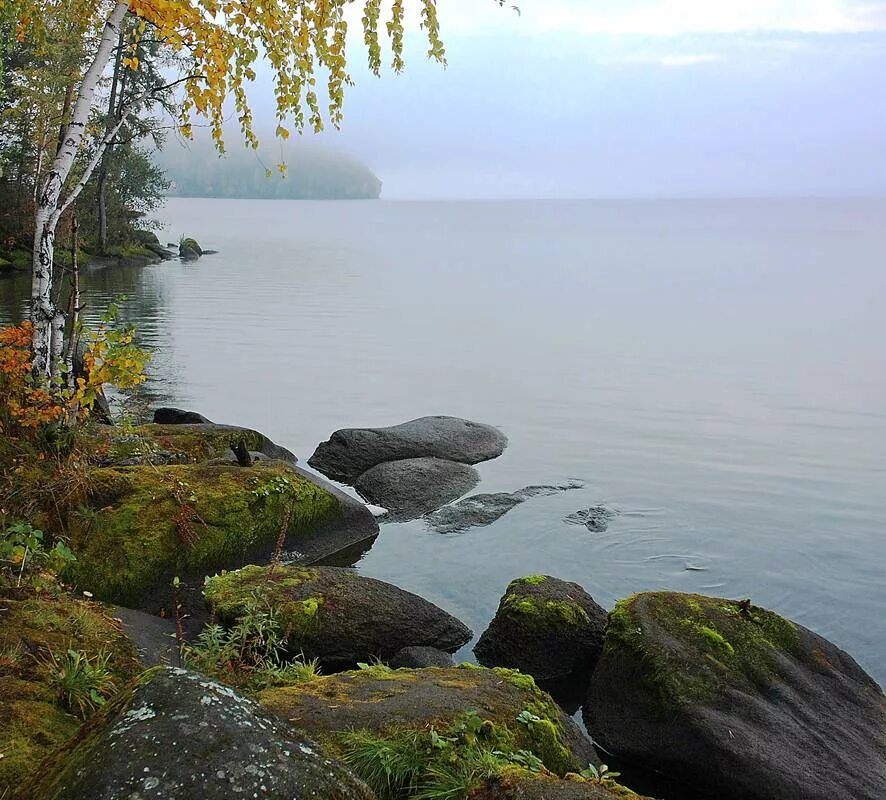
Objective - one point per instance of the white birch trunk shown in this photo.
(44, 315)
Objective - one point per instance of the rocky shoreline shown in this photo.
(238, 664)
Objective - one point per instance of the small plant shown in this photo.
(251, 654)
(527, 717)
(83, 685)
(23, 554)
(599, 774)
(432, 764)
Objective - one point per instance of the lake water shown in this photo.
(714, 370)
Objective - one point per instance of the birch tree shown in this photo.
(221, 40)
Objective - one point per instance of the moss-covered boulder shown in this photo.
(142, 526)
(736, 700)
(518, 783)
(155, 444)
(504, 710)
(189, 249)
(546, 627)
(176, 735)
(335, 614)
(38, 710)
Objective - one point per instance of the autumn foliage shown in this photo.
(26, 404)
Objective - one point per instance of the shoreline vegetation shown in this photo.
(211, 537)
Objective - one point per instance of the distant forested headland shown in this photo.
(311, 172)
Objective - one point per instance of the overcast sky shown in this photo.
(604, 98)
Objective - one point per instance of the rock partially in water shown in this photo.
(189, 250)
(414, 486)
(417, 657)
(180, 736)
(545, 627)
(176, 416)
(736, 701)
(139, 527)
(595, 519)
(480, 510)
(388, 702)
(476, 511)
(350, 452)
(335, 614)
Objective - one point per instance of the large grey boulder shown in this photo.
(736, 701)
(350, 452)
(545, 627)
(179, 736)
(335, 614)
(414, 486)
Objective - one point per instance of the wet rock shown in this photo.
(595, 519)
(414, 486)
(546, 627)
(480, 510)
(417, 657)
(350, 452)
(180, 736)
(155, 639)
(387, 702)
(476, 511)
(737, 701)
(335, 614)
(189, 250)
(175, 416)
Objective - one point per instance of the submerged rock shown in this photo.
(545, 627)
(595, 519)
(417, 657)
(335, 614)
(350, 452)
(480, 510)
(514, 712)
(736, 701)
(412, 487)
(179, 736)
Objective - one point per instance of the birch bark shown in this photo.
(49, 322)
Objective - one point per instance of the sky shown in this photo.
(631, 98)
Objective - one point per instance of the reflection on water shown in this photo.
(711, 371)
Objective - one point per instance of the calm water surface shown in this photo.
(713, 370)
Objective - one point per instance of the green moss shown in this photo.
(547, 613)
(721, 643)
(452, 692)
(192, 443)
(33, 720)
(142, 525)
(529, 580)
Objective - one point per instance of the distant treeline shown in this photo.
(311, 172)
